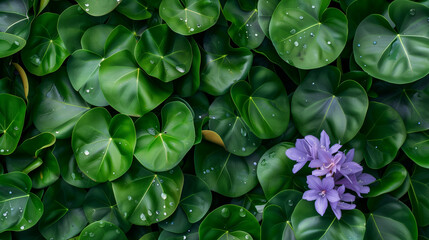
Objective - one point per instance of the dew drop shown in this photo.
(304, 46)
(412, 12)
(255, 163)
(86, 4)
(22, 227)
(418, 123)
(151, 131)
(290, 203)
(312, 34)
(198, 25)
(180, 69)
(376, 146)
(171, 204)
(224, 212)
(243, 149)
(16, 43)
(374, 43)
(86, 152)
(293, 31)
(16, 128)
(296, 43)
(184, 237)
(35, 60)
(87, 9)
(301, 17)
(151, 61)
(190, 210)
(163, 196)
(130, 198)
(327, 60)
(312, 6)
(246, 237)
(273, 115)
(358, 44)
(329, 42)
(10, 192)
(242, 213)
(415, 148)
(149, 212)
(91, 234)
(191, 29)
(256, 34)
(142, 217)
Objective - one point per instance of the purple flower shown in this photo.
(342, 205)
(322, 191)
(349, 167)
(357, 182)
(305, 150)
(327, 164)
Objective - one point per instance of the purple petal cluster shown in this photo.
(334, 173)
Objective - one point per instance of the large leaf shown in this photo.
(394, 55)
(392, 179)
(145, 197)
(384, 133)
(390, 219)
(162, 147)
(225, 173)
(235, 134)
(20, 208)
(12, 116)
(63, 217)
(102, 230)
(190, 16)
(263, 103)
(127, 88)
(103, 145)
(416, 146)
(307, 34)
(164, 54)
(229, 222)
(57, 106)
(45, 51)
(98, 8)
(321, 102)
(308, 224)
(419, 195)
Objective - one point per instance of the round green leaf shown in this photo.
(102, 230)
(72, 24)
(230, 222)
(10, 44)
(418, 194)
(160, 148)
(100, 205)
(236, 135)
(307, 34)
(103, 145)
(196, 198)
(384, 133)
(63, 217)
(145, 197)
(416, 146)
(57, 106)
(12, 116)
(308, 224)
(127, 88)
(98, 8)
(135, 9)
(20, 208)
(392, 179)
(164, 54)
(390, 219)
(190, 16)
(321, 102)
(45, 51)
(225, 173)
(263, 103)
(244, 30)
(394, 55)
(265, 12)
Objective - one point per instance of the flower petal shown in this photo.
(321, 204)
(337, 212)
(328, 183)
(335, 148)
(310, 195)
(350, 168)
(366, 178)
(316, 163)
(324, 140)
(332, 196)
(320, 172)
(296, 155)
(297, 167)
(314, 183)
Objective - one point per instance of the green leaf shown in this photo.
(418, 194)
(225, 173)
(20, 208)
(12, 116)
(103, 145)
(189, 84)
(100, 205)
(263, 103)
(308, 224)
(190, 234)
(265, 12)
(394, 55)
(163, 54)
(384, 133)
(244, 30)
(191, 16)
(390, 219)
(229, 222)
(416, 147)
(102, 230)
(57, 107)
(135, 9)
(307, 34)
(196, 198)
(392, 179)
(234, 132)
(127, 88)
(162, 147)
(97, 8)
(63, 217)
(145, 197)
(321, 102)
(45, 51)
(10, 44)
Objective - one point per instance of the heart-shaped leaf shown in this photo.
(164, 54)
(321, 102)
(127, 88)
(263, 103)
(45, 51)
(225, 173)
(12, 116)
(235, 134)
(392, 179)
(307, 34)
(145, 197)
(416, 146)
(308, 224)
(103, 145)
(418, 194)
(162, 147)
(230, 222)
(57, 106)
(97, 8)
(20, 208)
(394, 55)
(102, 230)
(191, 16)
